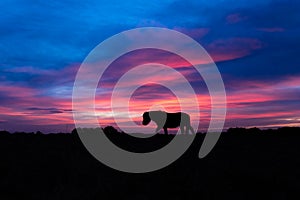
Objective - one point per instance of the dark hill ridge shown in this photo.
(245, 164)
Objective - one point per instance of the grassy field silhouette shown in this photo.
(245, 164)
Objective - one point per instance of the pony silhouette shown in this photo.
(166, 120)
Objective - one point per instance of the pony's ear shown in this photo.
(146, 113)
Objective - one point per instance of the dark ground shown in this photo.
(245, 164)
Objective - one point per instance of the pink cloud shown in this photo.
(250, 104)
(26, 106)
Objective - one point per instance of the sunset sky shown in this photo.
(255, 45)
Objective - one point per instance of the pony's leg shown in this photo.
(166, 130)
(158, 129)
